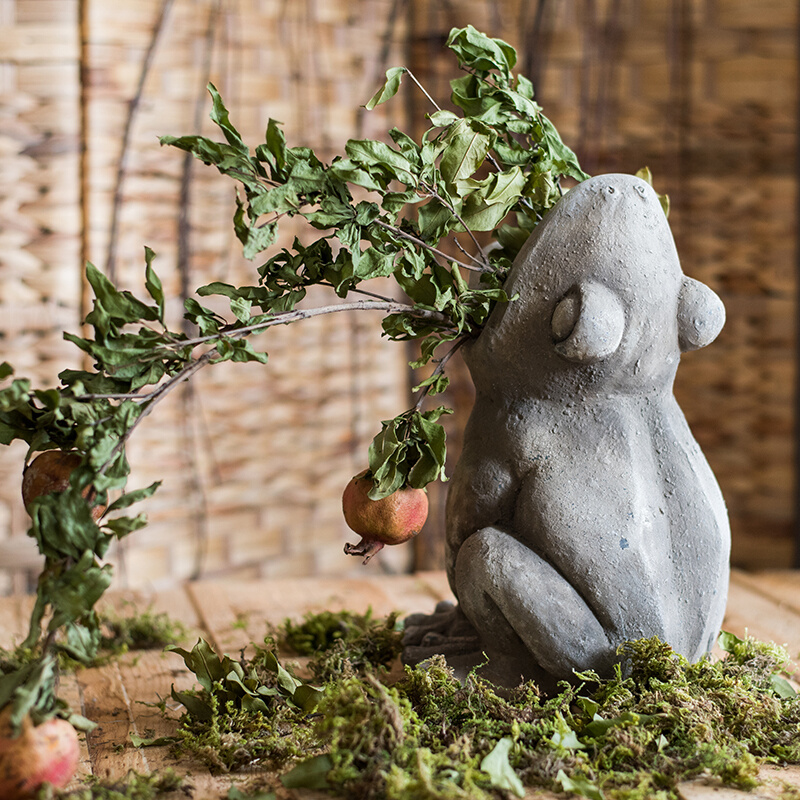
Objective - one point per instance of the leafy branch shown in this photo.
(380, 211)
(500, 158)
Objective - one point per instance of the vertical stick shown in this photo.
(133, 107)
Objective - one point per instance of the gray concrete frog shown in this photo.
(582, 512)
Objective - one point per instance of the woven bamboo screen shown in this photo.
(253, 459)
(705, 93)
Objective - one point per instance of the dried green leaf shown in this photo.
(579, 785)
(309, 774)
(219, 115)
(468, 144)
(389, 89)
(499, 769)
(153, 283)
(477, 51)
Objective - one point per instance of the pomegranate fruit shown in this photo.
(391, 520)
(49, 472)
(46, 753)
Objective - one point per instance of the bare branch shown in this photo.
(133, 107)
(422, 89)
(366, 293)
(155, 398)
(286, 317)
(464, 251)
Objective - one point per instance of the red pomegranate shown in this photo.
(391, 520)
(49, 472)
(46, 753)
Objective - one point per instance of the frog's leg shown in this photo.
(533, 624)
(527, 613)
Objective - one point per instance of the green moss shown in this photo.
(343, 643)
(234, 738)
(250, 712)
(144, 630)
(656, 722)
(158, 786)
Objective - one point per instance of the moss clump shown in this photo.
(657, 721)
(144, 630)
(247, 712)
(233, 738)
(158, 786)
(343, 643)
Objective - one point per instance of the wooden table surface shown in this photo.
(232, 614)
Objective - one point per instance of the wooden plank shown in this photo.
(774, 783)
(112, 695)
(69, 691)
(436, 582)
(749, 611)
(14, 620)
(175, 602)
(231, 615)
(219, 621)
(107, 703)
(781, 586)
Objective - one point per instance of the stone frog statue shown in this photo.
(582, 512)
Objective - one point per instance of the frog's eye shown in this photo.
(587, 323)
(565, 316)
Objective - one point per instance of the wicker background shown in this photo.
(254, 458)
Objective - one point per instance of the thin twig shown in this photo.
(133, 107)
(423, 90)
(403, 235)
(465, 251)
(365, 292)
(188, 396)
(383, 55)
(155, 398)
(286, 317)
(184, 253)
(449, 206)
(441, 364)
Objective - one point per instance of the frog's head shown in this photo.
(601, 298)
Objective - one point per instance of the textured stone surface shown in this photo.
(582, 512)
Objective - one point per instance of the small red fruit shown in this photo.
(47, 753)
(391, 520)
(49, 472)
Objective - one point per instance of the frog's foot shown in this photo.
(446, 622)
(446, 632)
